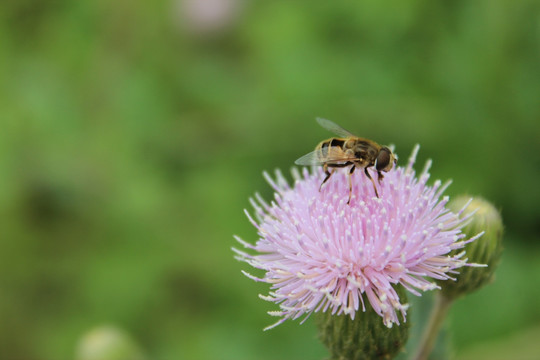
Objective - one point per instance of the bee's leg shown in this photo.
(380, 176)
(350, 183)
(370, 178)
(328, 174)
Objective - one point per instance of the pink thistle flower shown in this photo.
(321, 254)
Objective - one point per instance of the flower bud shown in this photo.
(108, 343)
(365, 337)
(484, 250)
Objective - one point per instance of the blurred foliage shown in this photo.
(134, 132)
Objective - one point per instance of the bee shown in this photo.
(349, 150)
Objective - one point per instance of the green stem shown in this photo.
(438, 314)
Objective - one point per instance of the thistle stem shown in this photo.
(438, 314)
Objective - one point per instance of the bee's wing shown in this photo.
(311, 158)
(331, 155)
(335, 128)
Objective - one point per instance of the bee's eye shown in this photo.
(383, 160)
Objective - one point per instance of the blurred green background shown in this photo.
(133, 134)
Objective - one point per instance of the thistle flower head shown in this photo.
(319, 253)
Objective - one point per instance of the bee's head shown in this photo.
(385, 160)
